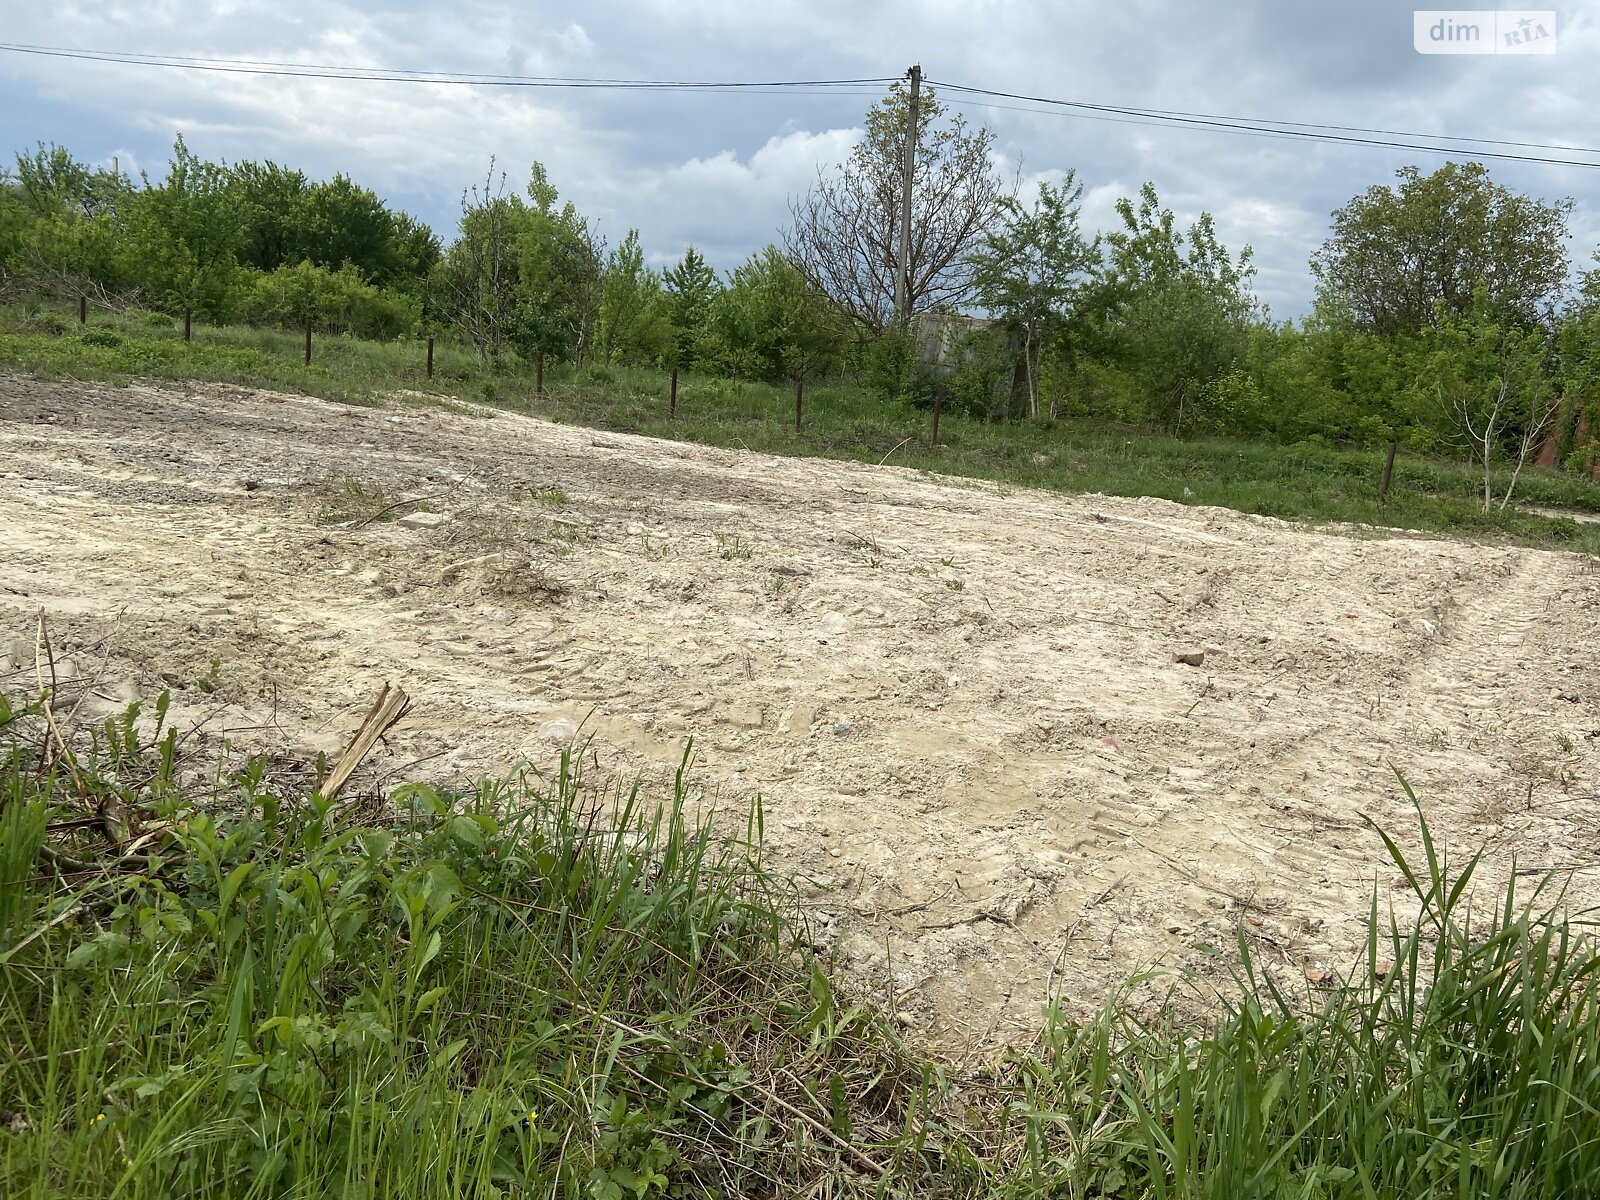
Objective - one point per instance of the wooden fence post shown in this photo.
(799, 389)
(83, 310)
(538, 375)
(938, 396)
(430, 357)
(1388, 474)
(308, 343)
(673, 406)
(188, 322)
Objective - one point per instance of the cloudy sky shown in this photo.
(716, 170)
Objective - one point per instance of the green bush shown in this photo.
(334, 301)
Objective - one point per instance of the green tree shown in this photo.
(632, 326)
(558, 263)
(691, 290)
(1032, 269)
(1401, 258)
(1492, 386)
(184, 235)
(772, 324)
(1173, 310)
(474, 285)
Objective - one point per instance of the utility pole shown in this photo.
(902, 277)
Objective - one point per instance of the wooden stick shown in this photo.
(389, 707)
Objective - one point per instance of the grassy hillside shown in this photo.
(1305, 482)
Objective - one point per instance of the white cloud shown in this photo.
(718, 170)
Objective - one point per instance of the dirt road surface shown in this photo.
(961, 702)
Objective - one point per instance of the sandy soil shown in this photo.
(961, 702)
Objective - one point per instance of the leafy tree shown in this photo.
(558, 267)
(289, 219)
(185, 235)
(1173, 309)
(474, 285)
(771, 324)
(1400, 258)
(338, 301)
(632, 326)
(1587, 299)
(844, 234)
(691, 290)
(1032, 269)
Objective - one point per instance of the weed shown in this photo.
(729, 546)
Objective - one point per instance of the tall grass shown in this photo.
(1305, 481)
(233, 989)
(510, 992)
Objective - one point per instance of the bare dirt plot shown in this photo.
(960, 701)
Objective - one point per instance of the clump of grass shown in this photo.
(730, 546)
(1461, 1057)
(515, 991)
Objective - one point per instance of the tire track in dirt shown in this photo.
(958, 700)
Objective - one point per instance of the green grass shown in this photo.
(1304, 482)
(238, 989)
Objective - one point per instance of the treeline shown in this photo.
(249, 242)
(1448, 316)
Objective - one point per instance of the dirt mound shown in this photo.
(963, 703)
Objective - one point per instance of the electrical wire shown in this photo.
(241, 66)
(1349, 135)
(1304, 131)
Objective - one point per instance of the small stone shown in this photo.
(905, 1020)
(832, 624)
(1190, 658)
(560, 732)
(1319, 977)
(1383, 967)
(422, 520)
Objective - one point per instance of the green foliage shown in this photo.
(1172, 311)
(206, 234)
(1491, 386)
(891, 368)
(981, 384)
(557, 284)
(332, 224)
(691, 291)
(1033, 270)
(633, 324)
(499, 993)
(519, 991)
(769, 324)
(1400, 256)
(336, 301)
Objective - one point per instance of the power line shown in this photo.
(1304, 131)
(243, 66)
(1350, 135)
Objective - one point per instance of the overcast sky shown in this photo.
(716, 170)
